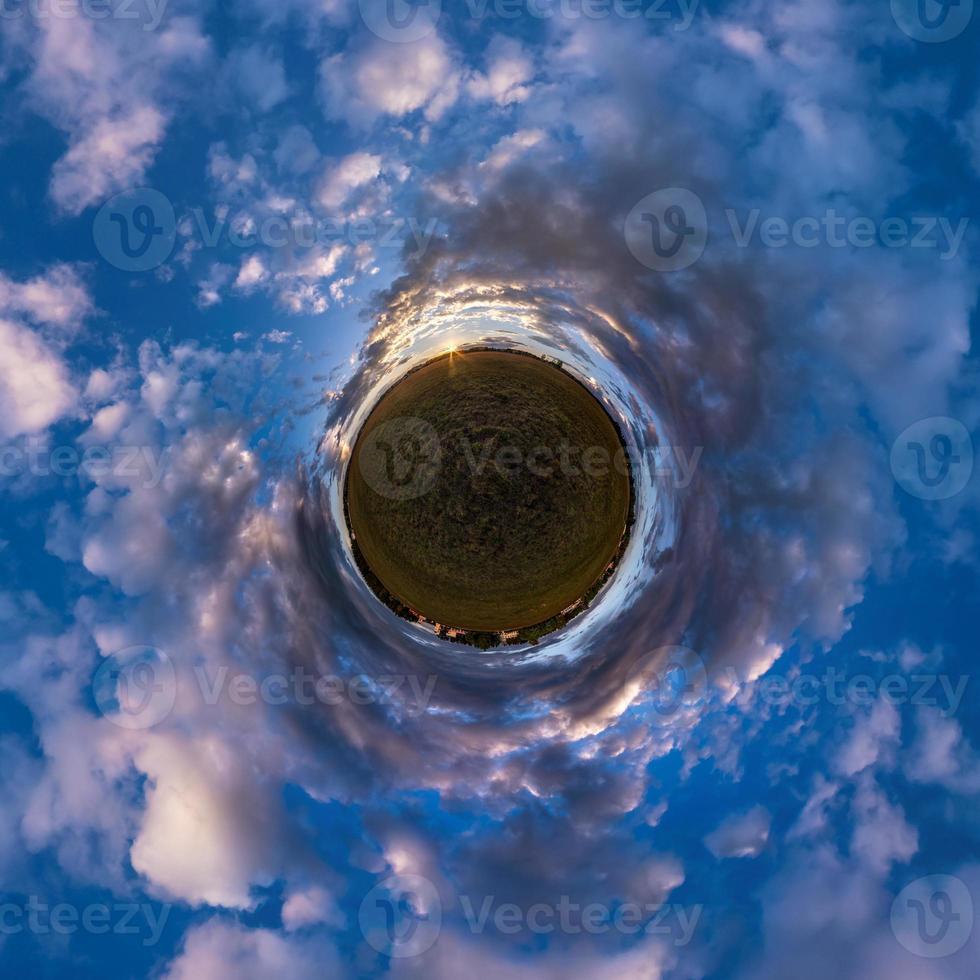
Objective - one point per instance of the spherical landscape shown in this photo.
(489, 493)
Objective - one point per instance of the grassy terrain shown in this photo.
(515, 524)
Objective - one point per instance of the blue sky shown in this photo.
(226, 229)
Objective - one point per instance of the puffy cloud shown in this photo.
(206, 832)
(814, 897)
(35, 387)
(103, 86)
(509, 69)
(814, 815)
(942, 754)
(882, 835)
(454, 955)
(210, 287)
(740, 835)
(342, 178)
(113, 154)
(873, 737)
(251, 272)
(390, 79)
(59, 298)
(224, 951)
(509, 148)
(310, 906)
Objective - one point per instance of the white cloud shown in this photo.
(35, 386)
(455, 956)
(106, 423)
(744, 40)
(231, 175)
(813, 817)
(310, 906)
(210, 287)
(882, 835)
(873, 735)
(105, 89)
(941, 754)
(204, 835)
(251, 272)
(390, 79)
(740, 835)
(342, 178)
(114, 153)
(509, 69)
(509, 148)
(56, 298)
(225, 951)
(101, 385)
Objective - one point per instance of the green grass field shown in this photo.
(503, 505)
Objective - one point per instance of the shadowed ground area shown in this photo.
(488, 490)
